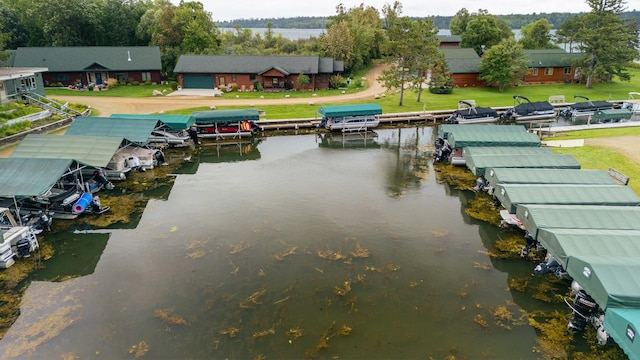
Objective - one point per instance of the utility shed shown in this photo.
(562, 243)
(612, 281)
(225, 116)
(479, 164)
(510, 195)
(339, 111)
(502, 175)
(505, 150)
(172, 121)
(535, 217)
(489, 138)
(623, 325)
(444, 130)
(137, 132)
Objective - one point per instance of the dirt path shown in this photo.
(626, 145)
(118, 105)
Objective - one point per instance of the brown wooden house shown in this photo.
(274, 73)
(551, 66)
(463, 66)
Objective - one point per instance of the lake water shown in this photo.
(292, 247)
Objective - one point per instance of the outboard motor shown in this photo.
(551, 265)
(22, 248)
(481, 183)
(530, 242)
(443, 149)
(584, 308)
(100, 177)
(452, 119)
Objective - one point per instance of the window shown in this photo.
(548, 71)
(534, 71)
(252, 77)
(28, 83)
(233, 77)
(567, 71)
(274, 82)
(146, 76)
(222, 82)
(60, 77)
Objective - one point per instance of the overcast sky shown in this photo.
(236, 9)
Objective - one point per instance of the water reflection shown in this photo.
(304, 252)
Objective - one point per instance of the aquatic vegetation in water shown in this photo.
(234, 268)
(168, 316)
(484, 266)
(259, 334)
(323, 343)
(555, 340)
(480, 320)
(457, 176)
(360, 252)
(482, 208)
(139, 350)
(232, 332)
(238, 248)
(415, 284)
(388, 268)
(252, 299)
(261, 273)
(439, 233)
(509, 247)
(330, 255)
(195, 249)
(342, 291)
(519, 284)
(280, 257)
(294, 333)
(505, 318)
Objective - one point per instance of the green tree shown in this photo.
(537, 35)
(569, 31)
(441, 81)
(484, 30)
(458, 24)
(412, 48)
(504, 64)
(303, 80)
(608, 43)
(338, 43)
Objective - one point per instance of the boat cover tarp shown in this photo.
(505, 150)
(527, 108)
(173, 121)
(612, 281)
(535, 217)
(547, 176)
(561, 243)
(591, 105)
(510, 195)
(623, 326)
(91, 150)
(350, 110)
(479, 164)
(134, 131)
(30, 177)
(612, 114)
(476, 112)
(445, 129)
(225, 116)
(489, 138)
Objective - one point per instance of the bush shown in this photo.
(288, 85)
(174, 85)
(135, 83)
(257, 85)
(336, 82)
(112, 83)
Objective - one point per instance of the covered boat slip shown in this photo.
(535, 217)
(479, 164)
(612, 281)
(173, 122)
(25, 177)
(445, 130)
(502, 175)
(225, 124)
(623, 325)
(505, 150)
(137, 132)
(464, 139)
(358, 117)
(562, 243)
(339, 111)
(510, 195)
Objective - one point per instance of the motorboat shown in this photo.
(468, 113)
(526, 111)
(16, 241)
(348, 118)
(633, 103)
(585, 107)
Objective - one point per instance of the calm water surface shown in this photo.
(265, 257)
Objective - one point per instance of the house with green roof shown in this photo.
(92, 64)
(272, 72)
(463, 66)
(551, 66)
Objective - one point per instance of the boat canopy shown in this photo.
(350, 110)
(488, 138)
(137, 132)
(225, 116)
(506, 150)
(92, 150)
(172, 121)
(510, 195)
(476, 111)
(479, 164)
(612, 114)
(535, 217)
(612, 281)
(527, 107)
(547, 176)
(623, 326)
(445, 129)
(22, 177)
(562, 243)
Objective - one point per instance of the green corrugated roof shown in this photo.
(479, 164)
(30, 177)
(92, 150)
(536, 217)
(221, 116)
(350, 110)
(510, 195)
(135, 131)
(81, 58)
(612, 281)
(608, 242)
(547, 176)
(445, 129)
(490, 138)
(549, 58)
(505, 150)
(623, 325)
(173, 121)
